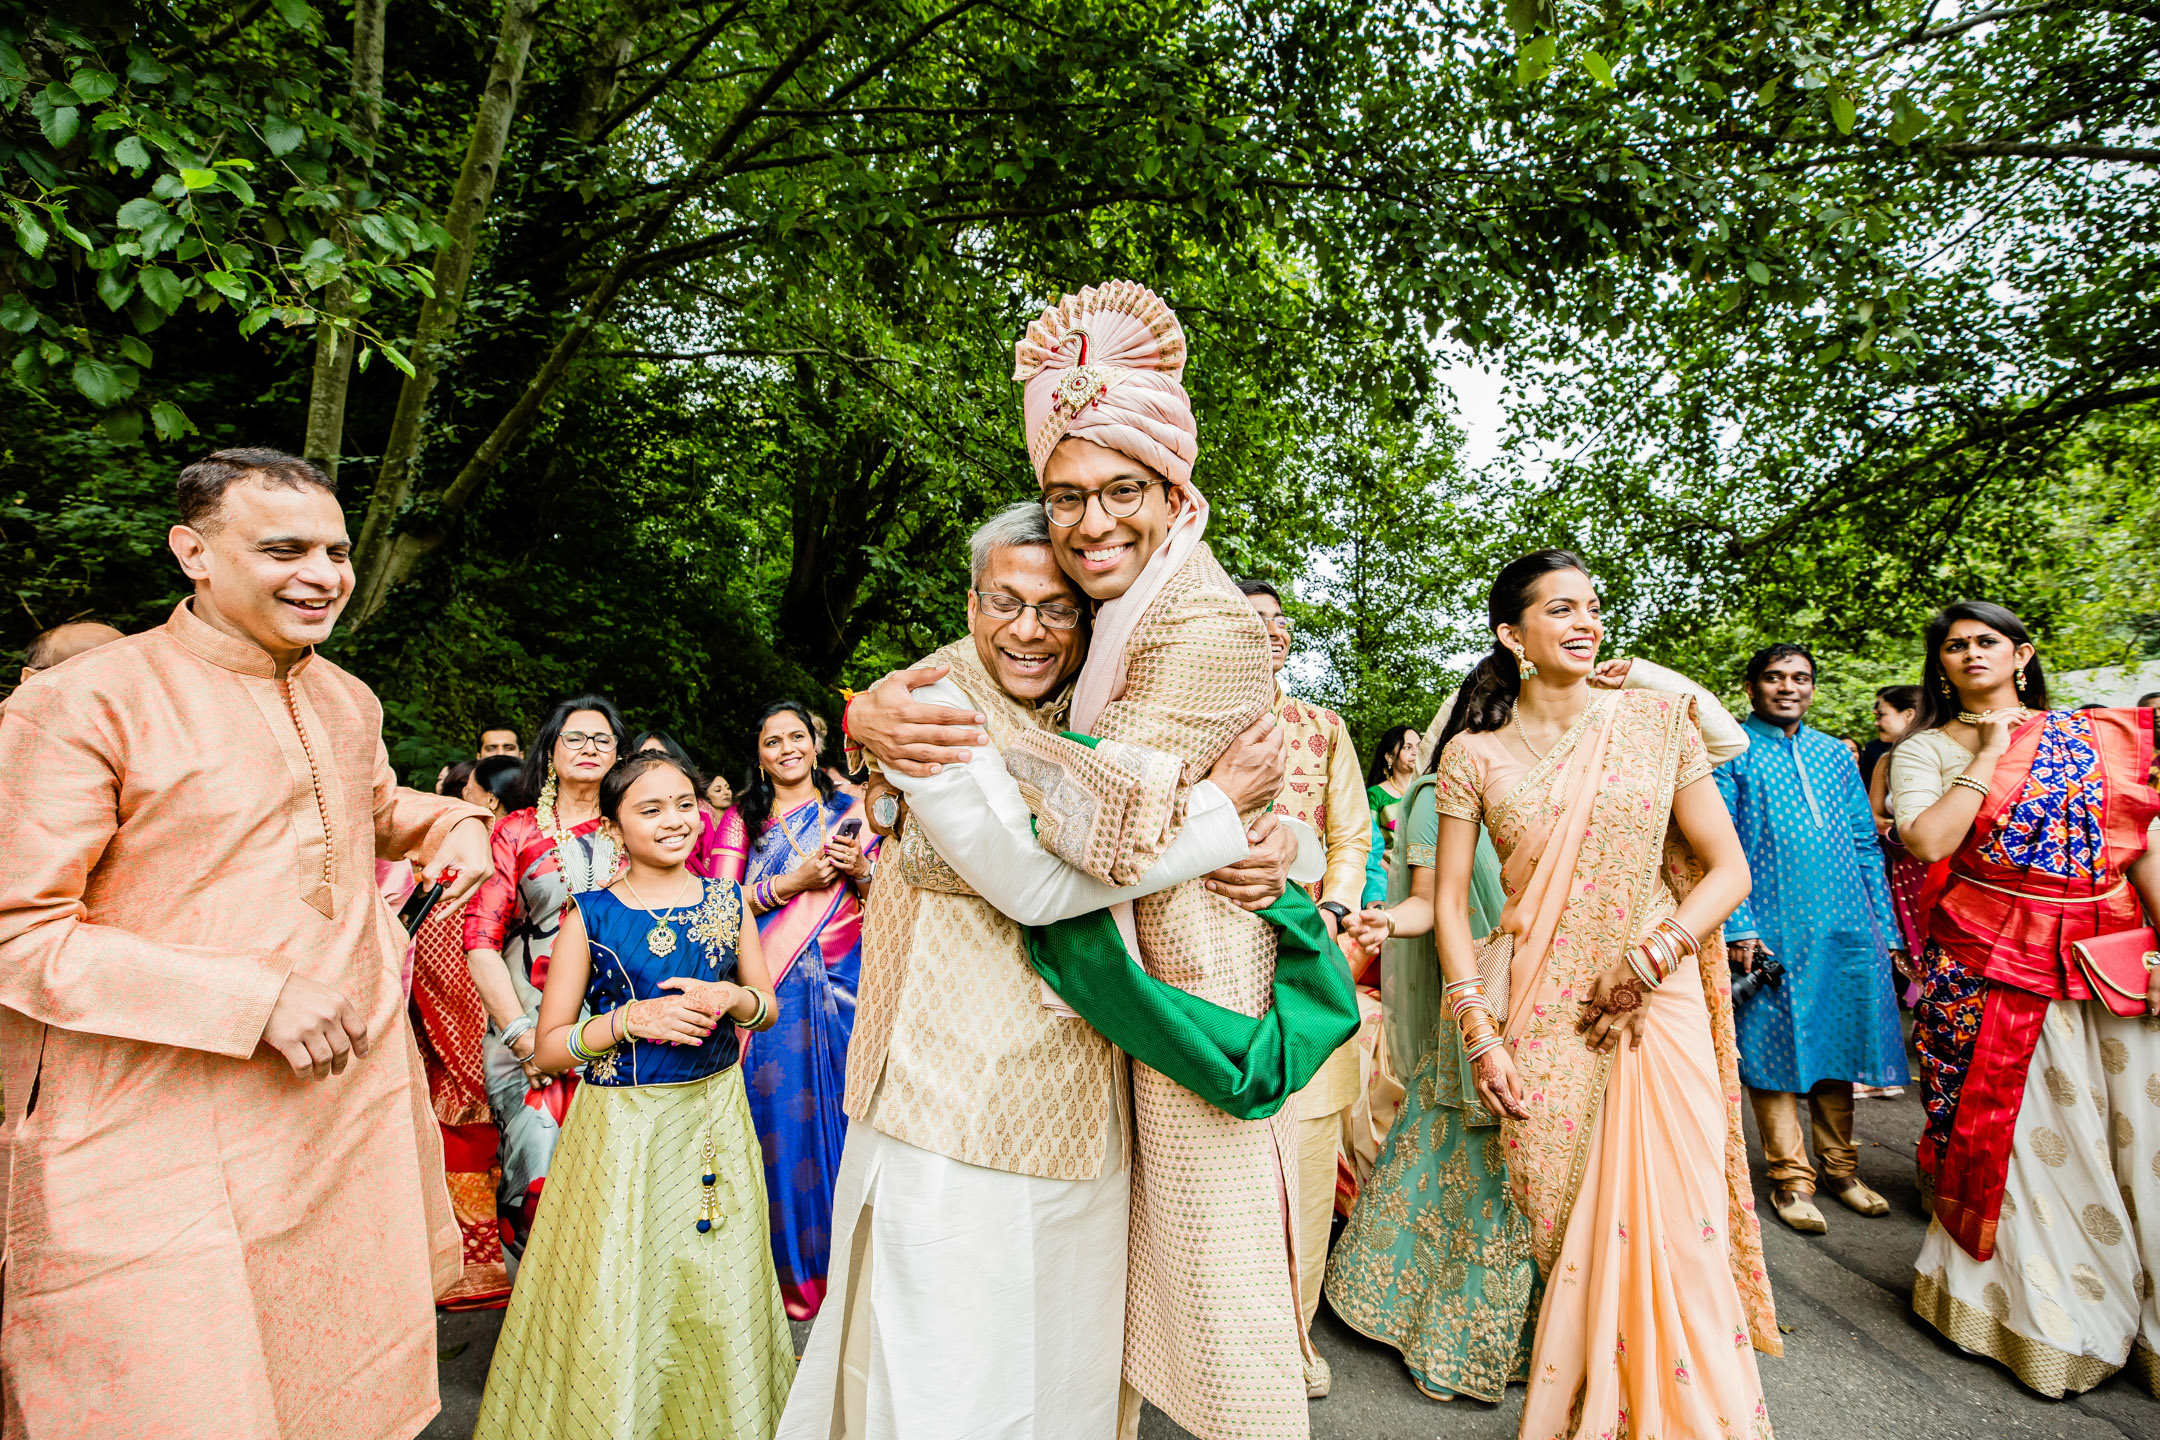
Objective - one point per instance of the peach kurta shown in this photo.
(199, 1242)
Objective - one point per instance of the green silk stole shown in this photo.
(1243, 1065)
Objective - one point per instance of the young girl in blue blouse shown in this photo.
(647, 1305)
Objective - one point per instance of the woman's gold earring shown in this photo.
(2019, 682)
(1525, 664)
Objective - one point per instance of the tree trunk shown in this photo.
(440, 315)
(334, 342)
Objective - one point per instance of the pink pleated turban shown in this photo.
(1105, 365)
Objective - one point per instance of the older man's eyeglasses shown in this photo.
(599, 740)
(1057, 615)
(1066, 506)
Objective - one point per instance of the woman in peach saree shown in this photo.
(1611, 1057)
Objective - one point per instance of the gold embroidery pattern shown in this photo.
(717, 922)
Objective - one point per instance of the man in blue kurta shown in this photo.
(1821, 909)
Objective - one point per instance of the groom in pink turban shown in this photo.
(1177, 668)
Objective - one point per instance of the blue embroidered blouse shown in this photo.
(625, 967)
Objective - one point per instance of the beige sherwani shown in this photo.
(199, 1242)
(983, 1197)
(1213, 1332)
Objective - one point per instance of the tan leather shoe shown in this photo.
(1853, 1194)
(1797, 1209)
(1319, 1379)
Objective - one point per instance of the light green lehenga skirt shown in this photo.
(1435, 1259)
(625, 1322)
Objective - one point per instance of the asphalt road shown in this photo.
(1857, 1364)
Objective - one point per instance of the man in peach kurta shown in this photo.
(225, 1210)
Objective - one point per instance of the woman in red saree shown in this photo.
(1611, 1057)
(2040, 1096)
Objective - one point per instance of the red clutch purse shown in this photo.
(2116, 968)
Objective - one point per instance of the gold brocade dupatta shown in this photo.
(1587, 832)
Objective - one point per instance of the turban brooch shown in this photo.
(1105, 365)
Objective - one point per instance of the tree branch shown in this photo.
(2036, 418)
(1959, 27)
(209, 39)
(2127, 154)
(748, 355)
(669, 76)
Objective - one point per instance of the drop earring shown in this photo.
(1524, 663)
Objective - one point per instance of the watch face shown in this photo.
(885, 809)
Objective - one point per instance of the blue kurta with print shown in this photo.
(1821, 906)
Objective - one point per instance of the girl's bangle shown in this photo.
(578, 1050)
(1971, 784)
(1483, 1048)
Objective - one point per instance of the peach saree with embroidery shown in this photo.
(1631, 1164)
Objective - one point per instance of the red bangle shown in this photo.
(847, 705)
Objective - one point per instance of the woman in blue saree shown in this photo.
(804, 858)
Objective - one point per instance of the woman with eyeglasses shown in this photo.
(544, 854)
(798, 847)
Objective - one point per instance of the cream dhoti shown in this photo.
(971, 1302)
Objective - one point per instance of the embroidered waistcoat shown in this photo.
(951, 1018)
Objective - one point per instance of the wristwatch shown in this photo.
(1340, 911)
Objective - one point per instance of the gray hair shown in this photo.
(1021, 524)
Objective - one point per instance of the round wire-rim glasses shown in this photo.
(1120, 498)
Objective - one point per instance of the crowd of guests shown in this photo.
(1059, 1033)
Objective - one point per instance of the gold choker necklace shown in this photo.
(2019, 713)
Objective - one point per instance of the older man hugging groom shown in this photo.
(963, 1056)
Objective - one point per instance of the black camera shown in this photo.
(1767, 971)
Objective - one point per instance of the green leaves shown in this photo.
(171, 421)
(1534, 58)
(1598, 68)
(281, 136)
(101, 384)
(55, 108)
(161, 287)
(1842, 113)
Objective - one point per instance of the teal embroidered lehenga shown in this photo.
(1435, 1259)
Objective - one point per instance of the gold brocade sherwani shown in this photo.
(951, 1016)
(1322, 787)
(1213, 1334)
(201, 1244)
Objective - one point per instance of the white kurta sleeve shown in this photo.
(1723, 737)
(976, 817)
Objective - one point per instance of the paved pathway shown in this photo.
(1857, 1364)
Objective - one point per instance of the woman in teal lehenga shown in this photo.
(1435, 1259)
